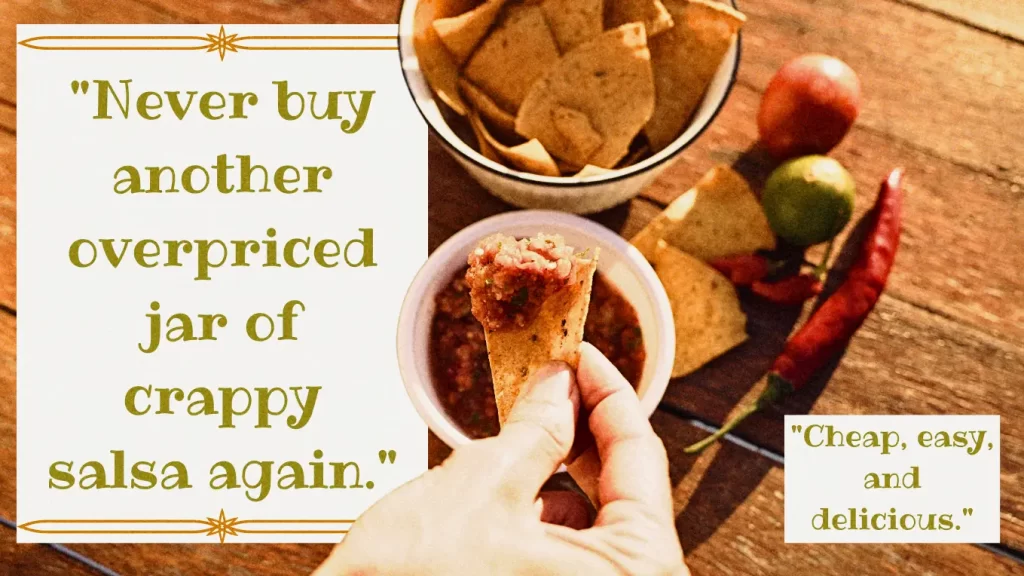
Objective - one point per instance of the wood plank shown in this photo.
(175, 560)
(942, 366)
(927, 80)
(36, 559)
(1002, 17)
(8, 429)
(277, 12)
(8, 223)
(66, 12)
(903, 361)
(8, 117)
(960, 252)
(729, 515)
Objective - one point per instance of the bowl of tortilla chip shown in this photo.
(621, 268)
(571, 105)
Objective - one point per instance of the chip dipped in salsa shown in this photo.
(458, 350)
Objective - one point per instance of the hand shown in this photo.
(479, 512)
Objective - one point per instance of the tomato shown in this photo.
(808, 107)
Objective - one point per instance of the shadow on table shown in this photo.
(734, 472)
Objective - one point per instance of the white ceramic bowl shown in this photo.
(578, 195)
(619, 262)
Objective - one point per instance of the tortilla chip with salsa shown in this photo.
(532, 297)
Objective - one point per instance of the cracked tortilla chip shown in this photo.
(608, 80)
(462, 33)
(720, 216)
(436, 63)
(652, 13)
(574, 126)
(685, 59)
(705, 309)
(574, 22)
(488, 108)
(517, 52)
(529, 156)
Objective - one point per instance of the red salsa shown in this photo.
(458, 351)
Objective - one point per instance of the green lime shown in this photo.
(809, 200)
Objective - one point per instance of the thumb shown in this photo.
(539, 431)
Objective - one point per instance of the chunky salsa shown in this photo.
(462, 374)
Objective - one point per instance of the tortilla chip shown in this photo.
(639, 153)
(576, 129)
(591, 170)
(513, 56)
(718, 217)
(435, 61)
(706, 310)
(652, 13)
(574, 22)
(608, 80)
(484, 143)
(685, 60)
(555, 333)
(462, 33)
(529, 156)
(488, 108)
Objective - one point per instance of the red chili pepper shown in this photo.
(830, 328)
(743, 269)
(790, 291)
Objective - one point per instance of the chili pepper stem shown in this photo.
(778, 388)
(822, 267)
(698, 447)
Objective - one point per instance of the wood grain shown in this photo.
(961, 250)
(8, 223)
(188, 559)
(1002, 17)
(8, 429)
(281, 12)
(729, 505)
(907, 359)
(35, 559)
(927, 80)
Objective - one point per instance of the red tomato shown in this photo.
(808, 107)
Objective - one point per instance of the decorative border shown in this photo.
(221, 526)
(222, 43)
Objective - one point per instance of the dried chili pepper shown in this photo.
(830, 328)
(743, 269)
(789, 291)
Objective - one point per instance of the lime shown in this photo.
(809, 200)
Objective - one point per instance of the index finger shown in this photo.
(634, 466)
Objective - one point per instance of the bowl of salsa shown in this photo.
(441, 349)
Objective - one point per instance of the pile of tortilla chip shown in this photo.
(719, 217)
(572, 87)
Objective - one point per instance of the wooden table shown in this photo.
(944, 85)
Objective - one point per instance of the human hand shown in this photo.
(479, 512)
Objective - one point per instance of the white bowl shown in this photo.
(570, 194)
(619, 262)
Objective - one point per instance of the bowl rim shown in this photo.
(416, 388)
(670, 152)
